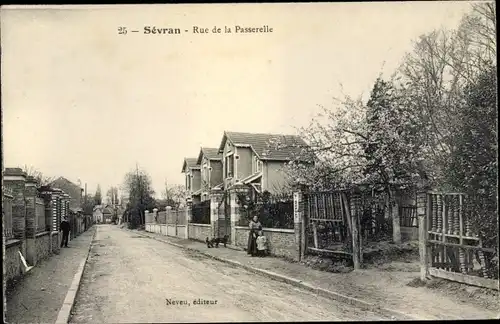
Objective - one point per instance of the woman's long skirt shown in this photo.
(252, 244)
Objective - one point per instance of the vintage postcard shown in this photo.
(272, 162)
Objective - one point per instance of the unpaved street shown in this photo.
(129, 278)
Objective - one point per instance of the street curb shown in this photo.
(65, 311)
(298, 283)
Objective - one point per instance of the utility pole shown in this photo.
(166, 190)
(139, 179)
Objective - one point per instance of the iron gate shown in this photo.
(224, 218)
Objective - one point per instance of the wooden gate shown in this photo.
(453, 250)
(329, 228)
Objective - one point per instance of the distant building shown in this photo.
(97, 214)
(73, 190)
(108, 212)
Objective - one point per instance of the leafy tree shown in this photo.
(474, 168)
(393, 138)
(138, 184)
(88, 204)
(98, 196)
(352, 143)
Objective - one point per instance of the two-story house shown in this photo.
(210, 162)
(97, 214)
(73, 190)
(251, 159)
(191, 169)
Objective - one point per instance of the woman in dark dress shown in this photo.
(255, 227)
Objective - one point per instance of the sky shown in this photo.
(82, 101)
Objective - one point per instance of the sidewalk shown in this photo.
(39, 296)
(387, 289)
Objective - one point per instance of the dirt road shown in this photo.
(129, 278)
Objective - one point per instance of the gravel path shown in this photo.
(38, 297)
(129, 278)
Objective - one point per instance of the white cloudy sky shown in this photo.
(83, 102)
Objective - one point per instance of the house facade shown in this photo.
(250, 159)
(192, 172)
(211, 168)
(107, 213)
(97, 214)
(73, 190)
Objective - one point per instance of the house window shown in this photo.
(256, 165)
(205, 172)
(229, 165)
(189, 181)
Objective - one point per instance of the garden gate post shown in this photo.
(299, 225)
(394, 208)
(422, 209)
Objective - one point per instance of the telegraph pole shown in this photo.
(166, 190)
(139, 179)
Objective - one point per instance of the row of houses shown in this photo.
(247, 159)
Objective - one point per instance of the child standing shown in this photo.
(261, 244)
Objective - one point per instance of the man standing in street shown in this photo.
(65, 228)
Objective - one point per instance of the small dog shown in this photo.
(216, 241)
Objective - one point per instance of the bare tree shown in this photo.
(112, 195)
(37, 175)
(175, 195)
(434, 75)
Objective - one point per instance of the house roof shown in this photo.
(108, 210)
(190, 163)
(260, 144)
(210, 153)
(64, 180)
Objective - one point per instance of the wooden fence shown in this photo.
(408, 216)
(451, 248)
(331, 221)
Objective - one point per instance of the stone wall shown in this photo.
(169, 230)
(55, 242)
(281, 242)
(199, 232)
(42, 244)
(12, 260)
(30, 212)
(182, 231)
